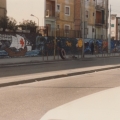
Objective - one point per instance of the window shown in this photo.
(67, 10)
(67, 28)
(112, 17)
(87, 14)
(112, 25)
(58, 7)
(58, 27)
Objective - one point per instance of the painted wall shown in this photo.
(22, 44)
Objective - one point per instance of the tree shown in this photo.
(12, 24)
(8, 23)
(28, 25)
(3, 23)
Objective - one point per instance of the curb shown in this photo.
(55, 76)
(32, 62)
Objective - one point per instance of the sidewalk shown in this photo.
(29, 78)
(4, 61)
(89, 64)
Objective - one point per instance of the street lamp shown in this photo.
(37, 19)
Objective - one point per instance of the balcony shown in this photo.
(49, 14)
(100, 5)
(50, 9)
(98, 22)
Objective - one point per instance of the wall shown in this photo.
(24, 44)
(113, 29)
(90, 8)
(91, 34)
(66, 19)
(77, 14)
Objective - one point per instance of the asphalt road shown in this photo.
(32, 101)
(30, 68)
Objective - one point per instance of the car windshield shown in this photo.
(59, 59)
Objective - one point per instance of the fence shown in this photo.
(29, 45)
(45, 31)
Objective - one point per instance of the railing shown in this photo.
(50, 14)
(62, 33)
(100, 5)
(44, 47)
(98, 21)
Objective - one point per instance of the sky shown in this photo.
(115, 7)
(22, 9)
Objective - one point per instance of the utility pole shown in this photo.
(83, 25)
(55, 29)
(107, 19)
(109, 40)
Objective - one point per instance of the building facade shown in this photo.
(3, 8)
(59, 15)
(101, 21)
(90, 18)
(118, 28)
(95, 13)
(115, 27)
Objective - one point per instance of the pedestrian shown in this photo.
(92, 48)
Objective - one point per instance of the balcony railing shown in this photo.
(100, 5)
(49, 13)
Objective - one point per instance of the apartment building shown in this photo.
(90, 12)
(59, 14)
(115, 27)
(118, 28)
(95, 17)
(3, 8)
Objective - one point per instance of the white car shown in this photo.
(104, 105)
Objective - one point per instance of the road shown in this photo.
(30, 68)
(32, 101)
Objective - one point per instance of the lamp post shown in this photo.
(37, 19)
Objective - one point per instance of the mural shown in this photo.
(25, 44)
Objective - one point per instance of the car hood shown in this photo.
(103, 105)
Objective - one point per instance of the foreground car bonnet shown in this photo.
(104, 105)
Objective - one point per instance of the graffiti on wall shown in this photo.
(19, 44)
